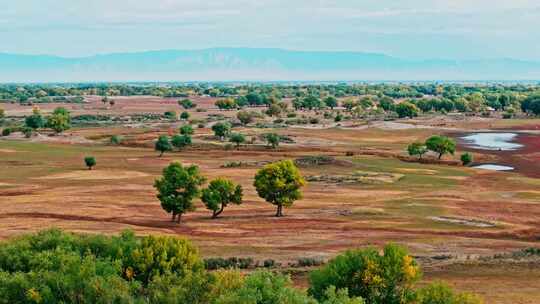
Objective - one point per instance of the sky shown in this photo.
(415, 29)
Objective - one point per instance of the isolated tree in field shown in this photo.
(441, 145)
(181, 141)
(163, 145)
(177, 188)
(59, 120)
(406, 109)
(273, 110)
(272, 139)
(90, 162)
(112, 102)
(219, 194)
(331, 102)
(279, 184)
(221, 129)
(116, 139)
(417, 149)
(105, 100)
(466, 158)
(238, 139)
(186, 130)
(186, 104)
(245, 117)
(184, 115)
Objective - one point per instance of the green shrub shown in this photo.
(440, 293)
(377, 278)
(466, 158)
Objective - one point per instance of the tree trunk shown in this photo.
(161, 154)
(218, 212)
(440, 155)
(179, 217)
(279, 212)
(173, 217)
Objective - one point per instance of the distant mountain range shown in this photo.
(255, 64)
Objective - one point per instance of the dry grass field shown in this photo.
(436, 210)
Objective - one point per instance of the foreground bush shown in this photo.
(386, 278)
(58, 267)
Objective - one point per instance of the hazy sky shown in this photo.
(405, 28)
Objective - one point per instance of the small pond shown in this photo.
(493, 167)
(492, 141)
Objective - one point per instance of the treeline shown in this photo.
(53, 266)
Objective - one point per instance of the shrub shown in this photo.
(90, 162)
(6, 131)
(308, 262)
(116, 139)
(440, 293)
(269, 263)
(377, 278)
(466, 158)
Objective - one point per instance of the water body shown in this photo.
(493, 167)
(492, 141)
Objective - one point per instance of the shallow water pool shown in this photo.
(493, 167)
(492, 141)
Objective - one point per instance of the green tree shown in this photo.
(466, 158)
(221, 129)
(178, 187)
(163, 144)
(386, 278)
(116, 139)
(186, 130)
(417, 149)
(184, 115)
(406, 109)
(186, 104)
(279, 184)
(59, 120)
(238, 139)
(226, 104)
(272, 139)
(331, 102)
(220, 193)
(90, 162)
(441, 145)
(181, 141)
(34, 121)
(273, 110)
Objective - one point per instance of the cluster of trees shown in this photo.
(59, 120)
(438, 144)
(53, 266)
(178, 141)
(278, 183)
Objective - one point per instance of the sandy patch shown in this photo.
(463, 221)
(96, 175)
(7, 151)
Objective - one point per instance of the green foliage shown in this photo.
(178, 187)
(264, 287)
(34, 121)
(417, 149)
(186, 130)
(272, 139)
(2, 113)
(163, 144)
(226, 104)
(232, 262)
(221, 129)
(341, 296)
(90, 162)
(406, 109)
(331, 102)
(440, 293)
(441, 145)
(171, 115)
(59, 120)
(184, 115)
(6, 131)
(116, 139)
(386, 278)
(181, 141)
(466, 158)
(279, 184)
(219, 193)
(186, 104)
(237, 138)
(245, 117)
(57, 267)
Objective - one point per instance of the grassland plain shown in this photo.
(435, 210)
